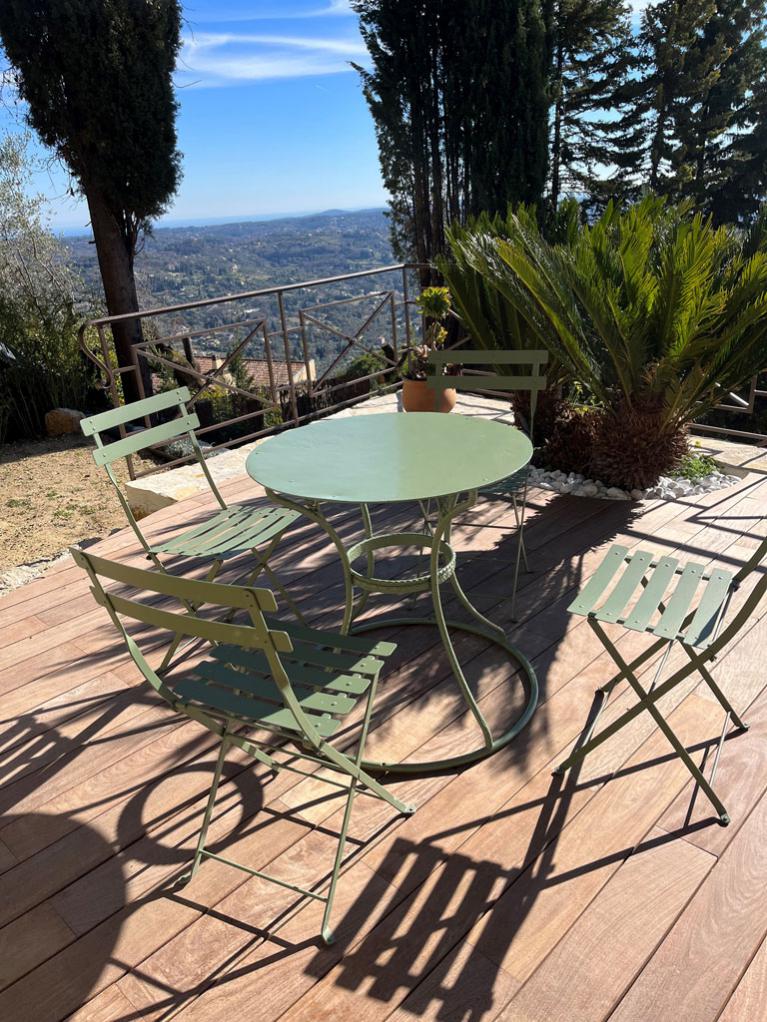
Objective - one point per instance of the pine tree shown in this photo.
(720, 123)
(591, 60)
(692, 124)
(458, 93)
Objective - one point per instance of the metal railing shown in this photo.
(736, 404)
(283, 331)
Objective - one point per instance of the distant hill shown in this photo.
(181, 264)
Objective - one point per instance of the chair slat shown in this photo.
(625, 588)
(333, 640)
(230, 703)
(487, 382)
(200, 628)
(194, 591)
(511, 484)
(679, 603)
(702, 625)
(647, 604)
(255, 661)
(270, 524)
(265, 689)
(453, 356)
(599, 581)
(307, 654)
(135, 410)
(144, 438)
(178, 543)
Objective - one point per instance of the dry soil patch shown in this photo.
(52, 494)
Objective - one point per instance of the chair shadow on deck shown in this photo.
(437, 949)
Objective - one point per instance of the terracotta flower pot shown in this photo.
(417, 396)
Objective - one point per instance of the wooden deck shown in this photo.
(509, 895)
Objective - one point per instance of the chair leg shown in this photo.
(647, 701)
(208, 811)
(212, 572)
(707, 677)
(327, 933)
(262, 565)
(521, 554)
(681, 751)
(520, 530)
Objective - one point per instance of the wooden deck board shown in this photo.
(473, 907)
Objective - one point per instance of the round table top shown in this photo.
(389, 457)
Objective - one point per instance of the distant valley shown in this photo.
(183, 264)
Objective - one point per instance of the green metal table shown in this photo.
(427, 458)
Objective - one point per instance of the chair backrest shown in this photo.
(137, 600)
(144, 437)
(532, 380)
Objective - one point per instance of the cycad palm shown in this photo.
(656, 312)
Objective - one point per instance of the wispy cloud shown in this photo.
(334, 8)
(228, 58)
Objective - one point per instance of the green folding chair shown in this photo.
(230, 531)
(692, 617)
(269, 688)
(528, 379)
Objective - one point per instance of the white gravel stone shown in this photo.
(667, 488)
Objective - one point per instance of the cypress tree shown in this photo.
(97, 78)
(458, 94)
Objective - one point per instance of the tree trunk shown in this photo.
(116, 268)
(556, 146)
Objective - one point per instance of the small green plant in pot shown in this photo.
(434, 305)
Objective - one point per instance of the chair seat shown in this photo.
(512, 484)
(328, 672)
(232, 530)
(637, 606)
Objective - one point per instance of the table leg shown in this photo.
(439, 536)
(314, 513)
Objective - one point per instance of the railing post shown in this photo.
(288, 356)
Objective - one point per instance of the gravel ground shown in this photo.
(52, 494)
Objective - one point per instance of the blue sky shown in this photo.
(272, 118)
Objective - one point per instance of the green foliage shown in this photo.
(439, 68)
(473, 265)
(593, 58)
(691, 121)
(40, 363)
(97, 78)
(434, 304)
(655, 312)
(696, 467)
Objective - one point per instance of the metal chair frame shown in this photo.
(699, 630)
(291, 682)
(516, 486)
(229, 531)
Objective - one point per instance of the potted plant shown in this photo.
(417, 396)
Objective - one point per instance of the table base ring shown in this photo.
(480, 753)
(413, 584)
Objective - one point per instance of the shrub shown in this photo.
(653, 311)
(41, 366)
